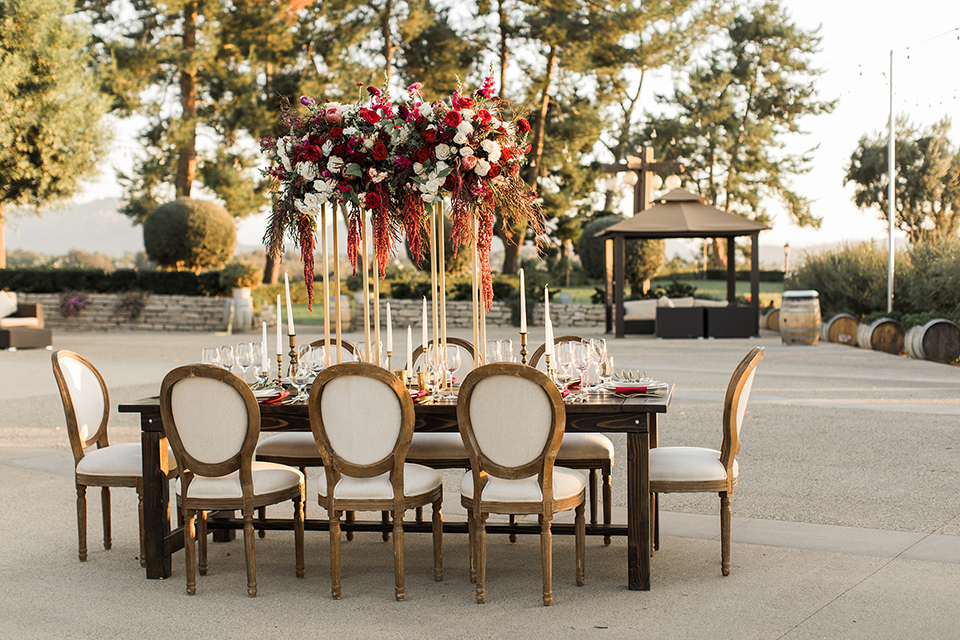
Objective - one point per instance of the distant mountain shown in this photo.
(95, 227)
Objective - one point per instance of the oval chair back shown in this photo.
(350, 351)
(86, 401)
(735, 405)
(468, 360)
(212, 421)
(538, 362)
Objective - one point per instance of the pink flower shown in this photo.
(468, 162)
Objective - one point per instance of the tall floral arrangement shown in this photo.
(394, 162)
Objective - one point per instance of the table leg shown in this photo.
(638, 509)
(156, 500)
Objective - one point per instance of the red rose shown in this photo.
(311, 153)
(484, 117)
(523, 126)
(452, 119)
(372, 117)
(494, 171)
(423, 155)
(466, 102)
(379, 151)
(403, 111)
(506, 154)
(372, 200)
(430, 135)
(335, 133)
(450, 182)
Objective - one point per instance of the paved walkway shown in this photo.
(846, 520)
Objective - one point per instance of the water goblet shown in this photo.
(606, 370)
(300, 379)
(451, 362)
(210, 355)
(581, 358)
(506, 351)
(493, 351)
(433, 361)
(227, 357)
(318, 359)
(244, 358)
(564, 353)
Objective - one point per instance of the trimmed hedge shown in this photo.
(766, 275)
(45, 280)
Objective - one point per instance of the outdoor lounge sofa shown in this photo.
(687, 317)
(21, 325)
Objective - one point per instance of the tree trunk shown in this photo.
(3, 245)
(513, 237)
(719, 250)
(504, 27)
(271, 270)
(388, 47)
(187, 162)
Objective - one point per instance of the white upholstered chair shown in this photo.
(212, 421)
(590, 451)
(512, 419)
(698, 469)
(362, 420)
(97, 463)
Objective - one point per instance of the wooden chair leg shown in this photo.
(593, 496)
(143, 544)
(581, 540)
(82, 521)
(262, 515)
(190, 551)
(480, 533)
(607, 499)
(201, 535)
(334, 553)
(655, 508)
(385, 519)
(472, 538)
(437, 530)
(546, 558)
(725, 533)
(105, 506)
(351, 517)
(399, 590)
(250, 552)
(419, 514)
(299, 511)
(513, 520)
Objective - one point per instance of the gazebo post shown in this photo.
(731, 271)
(618, 275)
(755, 280)
(608, 284)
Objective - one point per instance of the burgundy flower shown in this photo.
(484, 117)
(311, 153)
(466, 102)
(523, 126)
(307, 101)
(379, 151)
(343, 187)
(403, 163)
(430, 135)
(423, 154)
(452, 119)
(371, 116)
(372, 200)
(403, 111)
(335, 133)
(494, 171)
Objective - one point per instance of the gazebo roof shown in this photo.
(681, 214)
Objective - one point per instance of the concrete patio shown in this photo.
(846, 518)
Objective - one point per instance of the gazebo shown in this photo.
(681, 214)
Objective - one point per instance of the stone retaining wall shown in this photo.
(161, 313)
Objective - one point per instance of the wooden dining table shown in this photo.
(634, 416)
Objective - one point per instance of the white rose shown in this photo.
(429, 197)
(433, 185)
(465, 128)
(441, 166)
(417, 168)
(311, 200)
(426, 110)
(327, 148)
(350, 131)
(467, 114)
(482, 168)
(466, 151)
(492, 149)
(495, 123)
(335, 164)
(332, 105)
(443, 151)
(324, 186)
(461, 138)
(308, 170)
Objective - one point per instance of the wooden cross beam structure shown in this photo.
(644, 166)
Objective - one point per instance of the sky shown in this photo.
(857, 37)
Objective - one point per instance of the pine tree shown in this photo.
(51, 135)
(734, 112)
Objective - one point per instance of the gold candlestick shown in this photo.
(389, 360)
(523, 347)
(279, 365)
(550, 368)
(292, 355)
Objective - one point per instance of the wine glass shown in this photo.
(606, 370)
(210, 355)
(581, 358)
(300, 379)
(595, 354)
(244, 358)
(318, 359)
(493, 351)
(451, 362)
(433, 361)
(564, 352)
(506, 351)
(227, 357)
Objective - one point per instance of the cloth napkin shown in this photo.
(275, 399)
(650, 388)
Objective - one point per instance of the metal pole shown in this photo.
(892, 171)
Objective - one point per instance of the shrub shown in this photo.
(643, 258)
(929, 281)
(240, 274)
(72, 303)
(851, 279)
(192, 234)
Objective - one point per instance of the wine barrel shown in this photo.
(883, 334)
(800, 317)
(841, 328)
(770, 319)
(938, 340)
